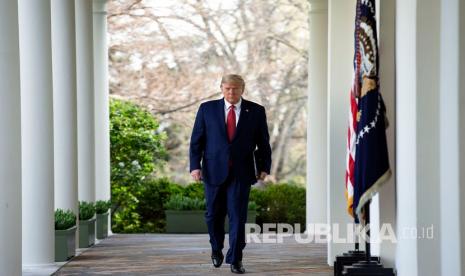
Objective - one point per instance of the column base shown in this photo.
(367, 268)
(41, 269)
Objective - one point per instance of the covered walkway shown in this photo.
(177, 254)
(55, 141)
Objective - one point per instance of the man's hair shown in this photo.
(232, 78)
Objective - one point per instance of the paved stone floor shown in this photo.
(181, 254)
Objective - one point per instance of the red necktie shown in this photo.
(231, 123)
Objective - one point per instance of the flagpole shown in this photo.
(357, 238)
(367, 241)
(352, 256)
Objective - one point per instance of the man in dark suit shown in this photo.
(229, 151)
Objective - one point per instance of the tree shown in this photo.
(170, 55)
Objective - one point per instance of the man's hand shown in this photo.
(262, 176)
(196, 175)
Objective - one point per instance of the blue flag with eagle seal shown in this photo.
(372, 160)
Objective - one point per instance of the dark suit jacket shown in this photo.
(249, 151)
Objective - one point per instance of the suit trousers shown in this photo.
(229, 198)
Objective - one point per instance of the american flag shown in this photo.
(352, 129)
(351, 138)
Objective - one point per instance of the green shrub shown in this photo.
(280, 203)
(180, 202)
(156, 192)
(194, 190)
(173, 188)
(86, 210)
(102, 206)
(64, 219)
(150, 206)
(136, 151)
(252, 206)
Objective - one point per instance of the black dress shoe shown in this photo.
(217, 258)
(237, 268)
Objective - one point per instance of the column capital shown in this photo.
(318, 6)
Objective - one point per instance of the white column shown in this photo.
(38, 243)
(340, 70)
(65, 104)
(317, 111)
(417, 136)
(461, 126)
(428, 149)
(10, 141)
(452, 114)
(102, 112)
(387, 194)
(85, 100)
(406, 260)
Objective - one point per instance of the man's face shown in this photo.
(232, 91)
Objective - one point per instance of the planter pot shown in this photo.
(251, 216)
(193, 221)
(102, 226)
(65, 244)
(86, 233)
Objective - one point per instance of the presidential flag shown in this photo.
(371, 162)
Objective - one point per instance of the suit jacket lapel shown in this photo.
(222, 117)
(242, 117)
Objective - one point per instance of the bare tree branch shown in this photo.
(167, 56)
(163, 112)
(288, 44)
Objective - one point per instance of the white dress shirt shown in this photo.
(237, 109)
